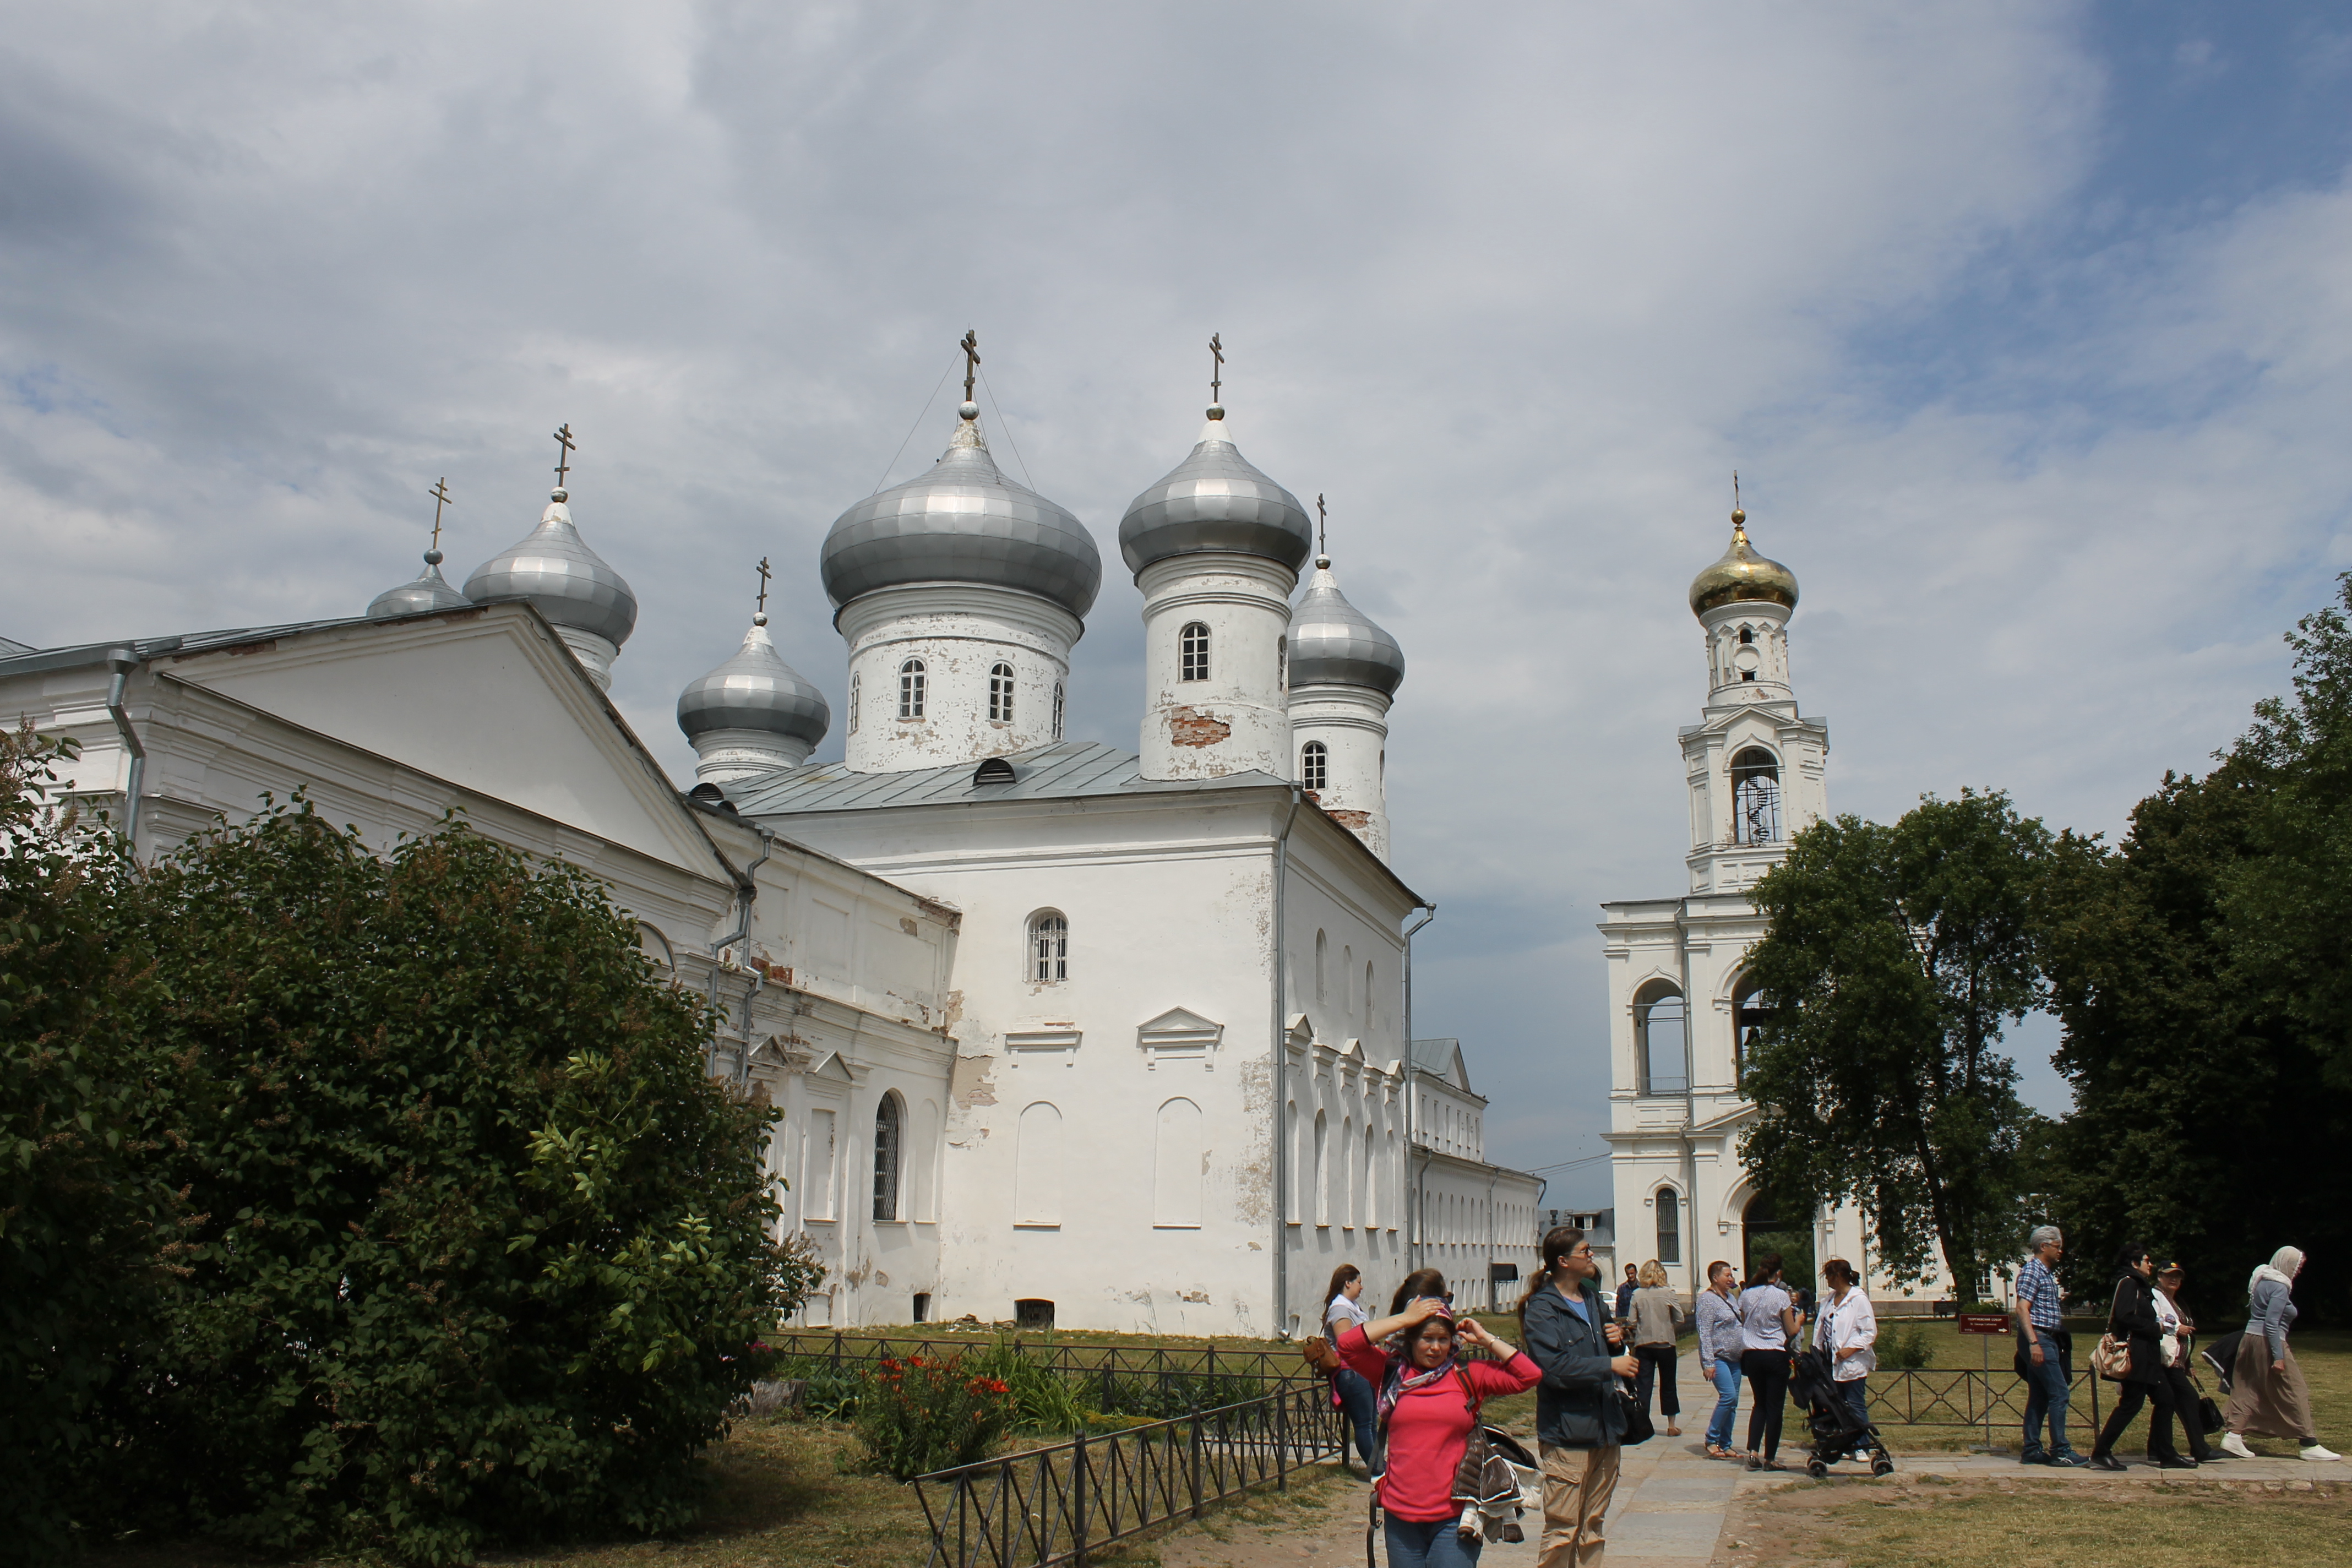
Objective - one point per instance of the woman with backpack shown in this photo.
(1429, 1403)
(2132, 1317)
(1581, 1404)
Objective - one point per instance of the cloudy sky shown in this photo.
(2029, 328)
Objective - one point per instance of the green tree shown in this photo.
(482, 1255)
(1893, 958)
(83, 1214)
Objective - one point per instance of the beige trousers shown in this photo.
(1577, 1486)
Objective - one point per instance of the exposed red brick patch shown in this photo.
(1190, 727)
(1355, 821)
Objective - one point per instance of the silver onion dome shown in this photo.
(1215, 500)
(428, 590)
(1333, 642)
(963, 522)
(755, 689)
(555, 570)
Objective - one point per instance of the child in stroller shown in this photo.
(1837, 1431)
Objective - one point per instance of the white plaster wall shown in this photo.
(1352, 723)
(960, 631)
(1236, 720)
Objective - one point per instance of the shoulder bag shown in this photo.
(2111, 1358)
(1319, 1354)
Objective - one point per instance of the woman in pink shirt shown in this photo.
(1428, 1400)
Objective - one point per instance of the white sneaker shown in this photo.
(2314, 1451)
(2233, 1444)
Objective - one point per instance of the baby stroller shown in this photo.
(1837, 1430)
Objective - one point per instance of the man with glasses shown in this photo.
(2045, 1352)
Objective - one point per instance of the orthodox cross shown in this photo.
(563, 458)
(764, 585)
(1217, 369)
(1735, 494)
(971, 359)
(1322, 527)
(440, 494)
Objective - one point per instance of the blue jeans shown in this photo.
(1856, 1396)
(1435, 1544)
(1726, 1403)
(1356, 1399)
(2045, 1391)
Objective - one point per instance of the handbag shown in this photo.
(1638, 1427)
(2111, 1357)
(1319, 1354)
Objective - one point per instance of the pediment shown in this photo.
(487, 698)
(1179, 1034)
(833, 1069)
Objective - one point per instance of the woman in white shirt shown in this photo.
(1352, 1391)
(1847, 1328)
(1768, 1320)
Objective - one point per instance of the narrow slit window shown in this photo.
(999, 693)
(1049, 948)
(1670, 1226)
(1057, 710)
(853, 705)
(911, 684)
(1193, 652)
(1315, 765)
(886, 1120)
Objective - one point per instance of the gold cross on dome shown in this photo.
(563, 457)
(970, 359)
(440, 494)
(764, 585)
(1216, 368)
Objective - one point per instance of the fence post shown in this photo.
(1281, 1441)
(1195, 1465)
(2093, 1378)
(1106, 1387)
(836, 1350)
(1078, 1500)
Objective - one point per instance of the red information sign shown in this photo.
(1986, 1323)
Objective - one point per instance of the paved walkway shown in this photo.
(1673, 1500)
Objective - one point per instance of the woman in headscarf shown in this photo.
(1429, 1400)
(2268, 1396)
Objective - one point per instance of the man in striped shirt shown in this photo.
(2047, 1350)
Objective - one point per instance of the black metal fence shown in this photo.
(1052, 1505)
(852, 1352)
(1953, 1396)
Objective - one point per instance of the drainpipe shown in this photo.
(122, 662)
(1411, 1096)
(746, 886)
(1281, 1086)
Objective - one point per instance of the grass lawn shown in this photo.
(1928, 1523)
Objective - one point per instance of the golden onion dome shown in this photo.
(1742, 576)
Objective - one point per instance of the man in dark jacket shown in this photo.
(1569, 1330)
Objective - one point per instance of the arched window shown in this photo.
(1755, 797)
(1746, 636)
(1660, 1039)
(1315, 765)
(1322, 952)
(1049, 947)
(1057, 710)
(1750, 1007)
(853, 705)
(889, 1118)
(1193, 652)
(1670, 1226)
(1282, 663)
(1176, 1167)
(1322, 1169)
(1368, 998)
(911, 689)
(999, 693)
(1037, 1174)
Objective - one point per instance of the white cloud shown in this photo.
(1518, 287)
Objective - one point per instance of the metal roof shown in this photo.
(1070, 770)
(141, 649)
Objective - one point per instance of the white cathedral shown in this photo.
(1681, 1005)
(1059, 1033)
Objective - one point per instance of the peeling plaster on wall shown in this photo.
(1253, 1173)
(954, 1013)
(1353, 821)
(972, 1083)
(907, 923)
(1190, 727)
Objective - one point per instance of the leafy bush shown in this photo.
(922, 1414)
(1903, 1348)
(481, 1252)
(83, 1213)
(832, 1393)
(1042, 1400)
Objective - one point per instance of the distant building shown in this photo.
(1474, 1220)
